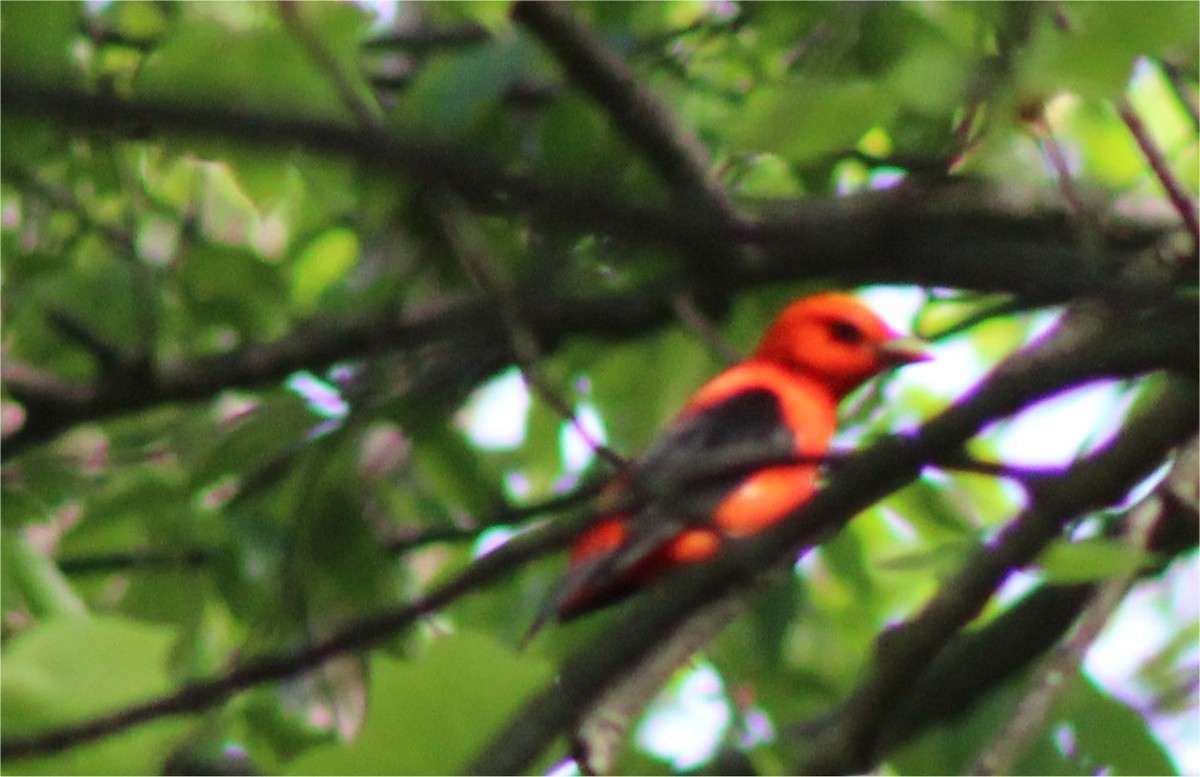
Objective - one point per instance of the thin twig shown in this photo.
(878, 470)
(64, 198)
(143, 289)
(151, 559)
(1039, 257)
(840, 235)
(1060, 166)
(903, 652)
(685, 308)
(368, 115)
(358, 635)
(976, 661)
(883, 468)
(1183, 202)
(107, 354)
(524, 342)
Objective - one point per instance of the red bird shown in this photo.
(781, 402)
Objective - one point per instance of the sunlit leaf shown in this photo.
(324, 262)
(1086, 561)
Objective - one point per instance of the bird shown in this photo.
(742, 454)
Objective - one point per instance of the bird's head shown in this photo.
(836, 339)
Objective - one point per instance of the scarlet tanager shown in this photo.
(781, 402)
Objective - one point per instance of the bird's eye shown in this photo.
(847, 333)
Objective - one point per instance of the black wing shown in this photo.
(678, 483)
(700, 457)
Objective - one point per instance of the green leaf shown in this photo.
(67, 670)
(459, 478)
(430, 716)
(1110, 156)
(951, 747)
(948, 314)
(634, 408)
(324, 262)
(931, 81)
(846, 558)
(495, 16)
(1064, 562)
(768, 175)
(138, 23)
(540, 459)
(227, 287)
(575, 141)
(338, 552)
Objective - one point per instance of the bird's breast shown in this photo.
(764, 498)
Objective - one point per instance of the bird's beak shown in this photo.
(904, 350)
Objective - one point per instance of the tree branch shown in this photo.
(472, 321)
(359, 635)
(152, 558)
(1183, 202)
(976, 661)
(955, 233)
(869, 722)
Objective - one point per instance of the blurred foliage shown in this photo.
(148, 549)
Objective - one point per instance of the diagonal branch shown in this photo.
(959, 233)
(904, 652)
(976, 661)
(1056, 672)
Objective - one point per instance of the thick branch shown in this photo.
(906, 655)
(977, 661)
(958, 234)
(53, 406)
